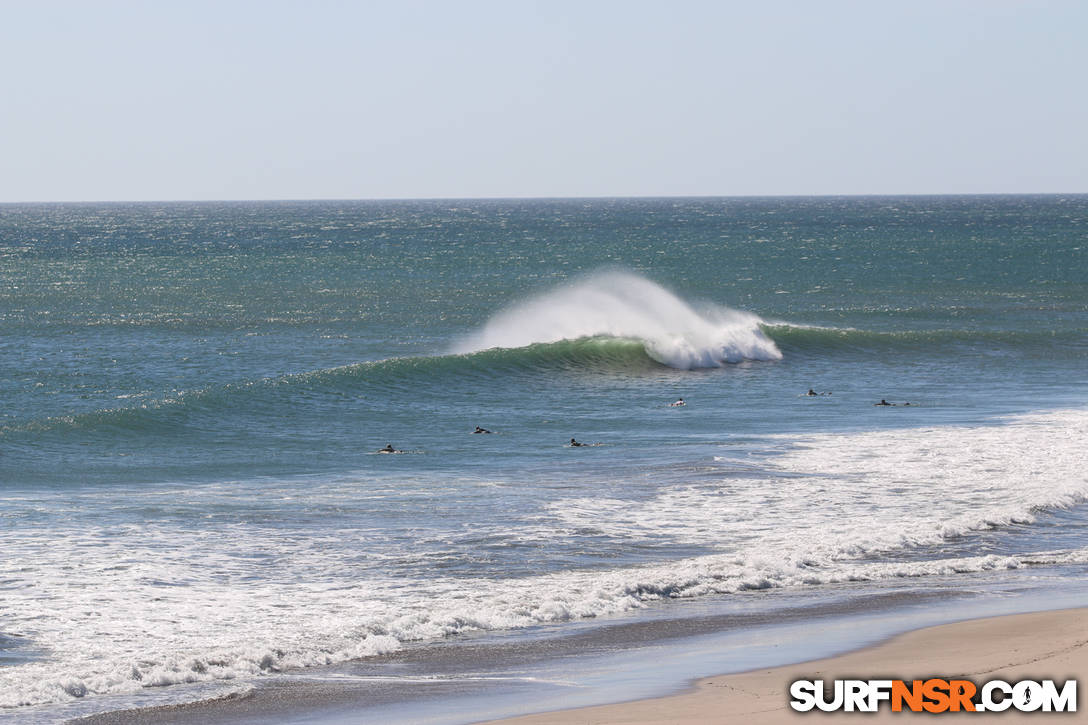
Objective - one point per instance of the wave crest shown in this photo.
(625, 306)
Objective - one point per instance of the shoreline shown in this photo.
(1039, 645)
(964, 647)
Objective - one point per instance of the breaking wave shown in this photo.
(625, 306)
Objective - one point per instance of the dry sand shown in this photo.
(1045, 645)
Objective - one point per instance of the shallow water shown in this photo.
(195, 394)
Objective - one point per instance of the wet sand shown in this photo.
(1044, 645)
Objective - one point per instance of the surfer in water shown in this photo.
(811, 392)
(481, 430)
(388, 449)
(883, 402)
(575, 444)
(679, 403)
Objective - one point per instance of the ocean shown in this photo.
(193, 502)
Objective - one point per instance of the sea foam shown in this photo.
(626, 306)
(125, 610)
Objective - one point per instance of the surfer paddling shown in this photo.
(481, 430)
(678, 404)
(388, 449)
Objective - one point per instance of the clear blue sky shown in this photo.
(299, 100)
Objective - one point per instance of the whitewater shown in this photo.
(192, 504)
(625, 306)
(910, 487)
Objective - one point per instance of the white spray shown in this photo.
(624, 305)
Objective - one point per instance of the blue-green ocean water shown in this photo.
(194, 396)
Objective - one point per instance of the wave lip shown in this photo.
(625, 306)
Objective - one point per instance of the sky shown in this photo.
(236, 99)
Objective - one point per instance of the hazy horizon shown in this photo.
(601, 197)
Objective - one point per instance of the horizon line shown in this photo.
(602, 197)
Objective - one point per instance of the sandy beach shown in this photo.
(737, 354)
(1043, 645)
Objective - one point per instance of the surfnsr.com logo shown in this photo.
(934, 695)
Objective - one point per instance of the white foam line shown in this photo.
(155, 604)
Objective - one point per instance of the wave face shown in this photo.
(625, 306)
